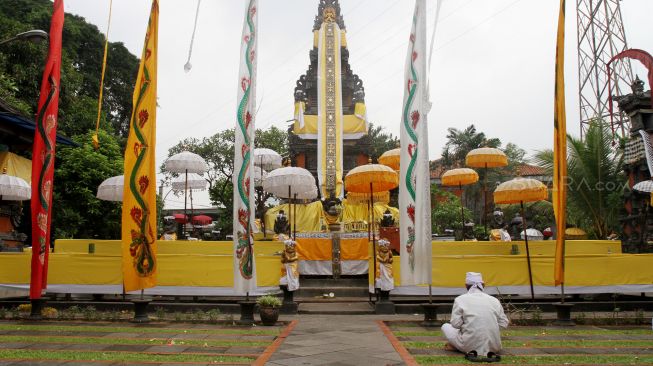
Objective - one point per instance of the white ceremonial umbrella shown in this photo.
(111, 189)
(289, 182)
(533, 234)
(195, 181)
(13, 188)
(186, 162)
(267, 159)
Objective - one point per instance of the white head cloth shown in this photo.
(474, 279)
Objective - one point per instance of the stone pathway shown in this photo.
(337, 340)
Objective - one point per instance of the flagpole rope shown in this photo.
(96, 141)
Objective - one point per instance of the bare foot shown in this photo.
(449, 347)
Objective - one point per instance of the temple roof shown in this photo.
(319, 18)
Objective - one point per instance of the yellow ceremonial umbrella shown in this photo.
(369, 179)
(575, 233)
(520, 190)
(486, 157)
(460, 177)
(391, 158)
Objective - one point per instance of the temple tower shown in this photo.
(329, 134)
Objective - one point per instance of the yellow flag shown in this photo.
(139, 263)
(560, 151)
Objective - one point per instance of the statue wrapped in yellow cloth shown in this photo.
(289, 266)
(384, 277)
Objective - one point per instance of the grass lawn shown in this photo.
(111, 342)
(540, 345)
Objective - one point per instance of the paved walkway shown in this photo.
(338, 340)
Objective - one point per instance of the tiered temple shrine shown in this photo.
(329, 134)
(637, 218)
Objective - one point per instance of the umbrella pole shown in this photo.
(183, 232)
(192, 213)
(289, 215)
(294, 217)
(369, 230)
(462, 211)
(371, 201)
(485, 201)
(262, 197)
(528, 254)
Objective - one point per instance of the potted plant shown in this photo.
(269, 306)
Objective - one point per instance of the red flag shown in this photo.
(43, 156)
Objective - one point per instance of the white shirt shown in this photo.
(478, 316)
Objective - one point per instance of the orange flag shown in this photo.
(139, 263)
(560, 152)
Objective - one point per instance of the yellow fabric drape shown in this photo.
(139, 205)
(358, 212)
(560, 151)
(17, 166)
(308, 216)
(353, 127)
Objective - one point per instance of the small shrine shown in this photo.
(637, 218)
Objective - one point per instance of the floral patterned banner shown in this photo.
(414, 185)
(43, 156)
(244, 270)
(139, 234)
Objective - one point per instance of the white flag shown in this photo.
(414, 191)
(244, 266)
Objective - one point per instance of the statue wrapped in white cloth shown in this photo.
(475, 321)
(289, 270)
(384, 277)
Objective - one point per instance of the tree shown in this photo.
(459, 143)
(21, 67)
(218, 151)
(595, 182)
(445, 211)
(77, 213)
(380, 141)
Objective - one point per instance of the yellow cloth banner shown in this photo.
(17, 166)
(139, 205)
(358, 212)
(560, 151)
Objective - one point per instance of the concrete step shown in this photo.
(338, 292)
(337, 308)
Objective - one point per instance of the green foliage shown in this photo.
(539, 215)
(380, 141)
(445, 211)
(80, 170)
(268, 301)
(595, 181)
(21, 66)
(272, 138)
(460, 142)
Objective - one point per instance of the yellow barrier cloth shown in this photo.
(112, 247)
(540, 247)
(354, 249)
(139, 203)
(17, 166)
(174, 269)
(314, 249)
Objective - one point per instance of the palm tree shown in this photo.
(595, 180)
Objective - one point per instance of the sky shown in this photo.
(492, 65)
